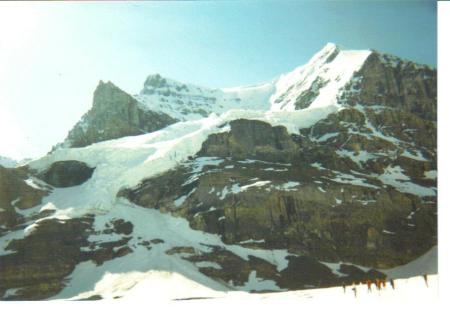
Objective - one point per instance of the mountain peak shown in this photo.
(330, 46)
(102, 84)
(155, 81)
(108, 90)
(326, 54)
(318, 82)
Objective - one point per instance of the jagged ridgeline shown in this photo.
(322, 177)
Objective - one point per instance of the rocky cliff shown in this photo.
(114, 114)
(387, 80)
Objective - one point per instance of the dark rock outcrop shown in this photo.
(301, 272)
(15, 193)
(67, 173)
(40, 261)
(307, 97)
(114, 114)
(251, 139)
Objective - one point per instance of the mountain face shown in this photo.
(321, 177)
(114, 114)
(390, 81)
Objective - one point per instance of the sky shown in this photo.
(53, 54)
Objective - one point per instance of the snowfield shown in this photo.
(168, 286)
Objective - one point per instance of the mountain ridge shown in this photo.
(166, 100)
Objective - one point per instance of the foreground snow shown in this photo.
(163, 286)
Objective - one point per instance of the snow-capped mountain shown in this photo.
(315, 84)
(322, 177)
(188, 102)
(319, 82)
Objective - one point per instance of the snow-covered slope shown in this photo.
(187, 102)
(325, 74)
(169, 286)
(319, 82)
(426, 263)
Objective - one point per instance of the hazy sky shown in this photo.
(52, 55)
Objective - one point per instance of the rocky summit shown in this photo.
(325, 176)
(114, 114)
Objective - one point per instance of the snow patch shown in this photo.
(255, 283)
(350, 179)
(257, 184)
(289, 186)
(417, 156)
(357, 157)
(202, 264)
(394, 176)
(430, 174)
(325, 137)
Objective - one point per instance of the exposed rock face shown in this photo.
(251, 140)
(301, 271)
(32, 269)
(305, 99)
(67, 173)
(114, 114)
(304, 272)
(16, 194)
(393, 82)
(38, 265)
